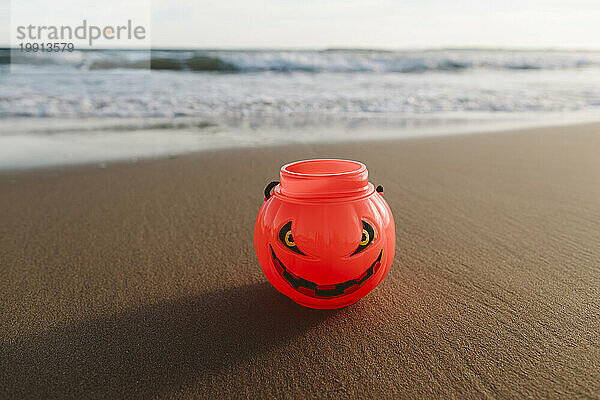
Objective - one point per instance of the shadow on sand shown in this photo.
(147, 351)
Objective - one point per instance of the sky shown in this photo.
(389, 24)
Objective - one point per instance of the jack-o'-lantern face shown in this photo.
(329, 289)
(326, 255)
(326, 237)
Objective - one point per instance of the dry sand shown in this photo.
(140, 280)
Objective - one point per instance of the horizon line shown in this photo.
(336, 48)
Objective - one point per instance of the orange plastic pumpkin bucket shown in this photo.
(324, 236)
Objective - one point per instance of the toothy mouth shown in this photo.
(312, 289)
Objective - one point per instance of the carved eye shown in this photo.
(287, 239)
(368, 236)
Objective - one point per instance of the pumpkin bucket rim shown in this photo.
(324, 178)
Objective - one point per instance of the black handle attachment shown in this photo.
(270, 187)
(379, 189)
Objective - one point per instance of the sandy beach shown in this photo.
(139, 280)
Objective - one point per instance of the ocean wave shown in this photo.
(196, 63)
(276, 95)
(332, 60)
(389, 84)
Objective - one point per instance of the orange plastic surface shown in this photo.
(325, 238)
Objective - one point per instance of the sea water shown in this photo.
(96, 106)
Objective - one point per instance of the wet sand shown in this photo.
(140, 280)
